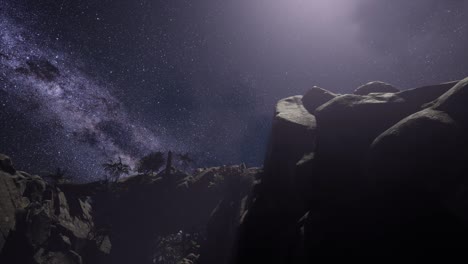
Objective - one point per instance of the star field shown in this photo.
(199, 76)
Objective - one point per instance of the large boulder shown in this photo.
(292, 136)
(454, 101)
(418, 170)
(316, 97)
(226, 218)
(400, 193)
(423, 95)
(375, 87)
(10, 201)
(6, 164)
(429, 142)
(268, 224)
(39, 224)
(348, 124)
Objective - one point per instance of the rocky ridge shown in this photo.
(380, 172)
(41, 224)
(140, 219)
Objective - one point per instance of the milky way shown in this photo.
(86, 81)
(86, 123)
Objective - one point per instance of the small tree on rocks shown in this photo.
(151, 163)
(116, 168)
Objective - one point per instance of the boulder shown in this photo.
(292, 135)
(223, 226)
(429, 142)
(268, 224)
(375, 87)
(6, 164)
(418, 171)
(10, 201)
(77, 224)
(386, 175)
(348, 124)
(453, 102)
(426, 94)
(38, 224)
(316, 97)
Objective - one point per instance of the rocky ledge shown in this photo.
(380, 172)
(39, 223)
(140, 219)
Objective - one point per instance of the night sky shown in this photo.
(128, 77)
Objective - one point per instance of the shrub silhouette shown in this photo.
(151, 163)
(116, 168)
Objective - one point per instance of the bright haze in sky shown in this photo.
(202, 76)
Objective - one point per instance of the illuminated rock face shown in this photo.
(385, 175)
(41, 224)
(376, 174)
(375, 87)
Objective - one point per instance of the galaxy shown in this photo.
(82, 121)
(82, 82)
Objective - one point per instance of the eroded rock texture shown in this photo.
(381, 172)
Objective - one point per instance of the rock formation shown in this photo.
(381, 172)
(377, 173)
(41, 224)
(375, 87)
(139, 219)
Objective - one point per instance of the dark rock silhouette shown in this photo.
(375, 87)
(420, 165)
(95, 222)
(315, 97)
(41, 224)
(380, 174)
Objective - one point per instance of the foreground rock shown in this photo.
(383, 174)
(378, 174)
(424, 186)
(40, 224)
(165, 216)
(140, 219)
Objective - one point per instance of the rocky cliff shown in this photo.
(140, 219)
(380, 172)
(39, 223)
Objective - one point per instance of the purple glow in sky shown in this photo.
(202, 76)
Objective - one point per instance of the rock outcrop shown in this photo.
(165, 216)
(420, 164)
(40, 224)
(142, 219)
(380, 173)
(375, 87)
(315, 97)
